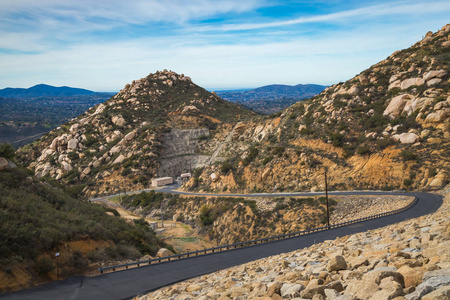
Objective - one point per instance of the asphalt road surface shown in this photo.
(129, 283)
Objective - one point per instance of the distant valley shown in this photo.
(271, 98)
(29, 113)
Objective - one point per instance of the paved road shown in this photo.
(128, 283)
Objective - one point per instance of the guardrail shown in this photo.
(251, 242)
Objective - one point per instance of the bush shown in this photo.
(432, 172)
(407, 182)
(278, 151)
(44, 265)
(363, 150)
(72, 155)
(226, 167)
(207, 215)
(337, 139)
(267, 159)
(408, 155)
(7, 151)
(253, 152)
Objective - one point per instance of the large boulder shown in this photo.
(442, 293)
(130, 136)
(361, 289)
(118, 120)
(428, 286)
(379, 274)
(3, 163)
(66, 166)
(395, 107)
(406, 138)
(72, 144)
(119, 159)
(395, 84)
(411, 82)
(412, 276)
(434, 74)
(189, 109)
(163, 252)
(6, 164)
(336, 263)
(291, 290)
(436, 117)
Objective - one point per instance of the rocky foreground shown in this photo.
(408, 260)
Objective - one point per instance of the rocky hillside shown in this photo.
(405, 261)
(228, 220)
(38, 220)
(155, 122)
(386, 128)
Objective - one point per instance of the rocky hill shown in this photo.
(386, 128)
(405, 261)
(154, 126)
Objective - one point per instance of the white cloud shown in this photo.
(399, 8)
(134, 12)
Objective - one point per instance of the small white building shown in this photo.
(154, 225)
(185, 175)
(162, 181)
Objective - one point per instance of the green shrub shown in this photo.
(125, 171)
(408, 155)
(337, 139)
(267, 159)
(44, 265)
(73, 155)
(7, 151)
(432, 172)
(278, 151)
(253, 152)
(226, 167)
(207, 215)
(407, 182)
(363, 150)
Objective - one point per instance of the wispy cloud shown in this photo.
(394, 8)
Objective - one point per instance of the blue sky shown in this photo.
(221, 44)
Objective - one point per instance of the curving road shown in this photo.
(129, 283)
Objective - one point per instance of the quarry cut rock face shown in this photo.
(386, 128)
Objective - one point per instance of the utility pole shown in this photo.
(326, 196)
(162, 215)
(57, 266)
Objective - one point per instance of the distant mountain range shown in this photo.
(43, 90)
(272, 98)
(27, 114)
(289, 90)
